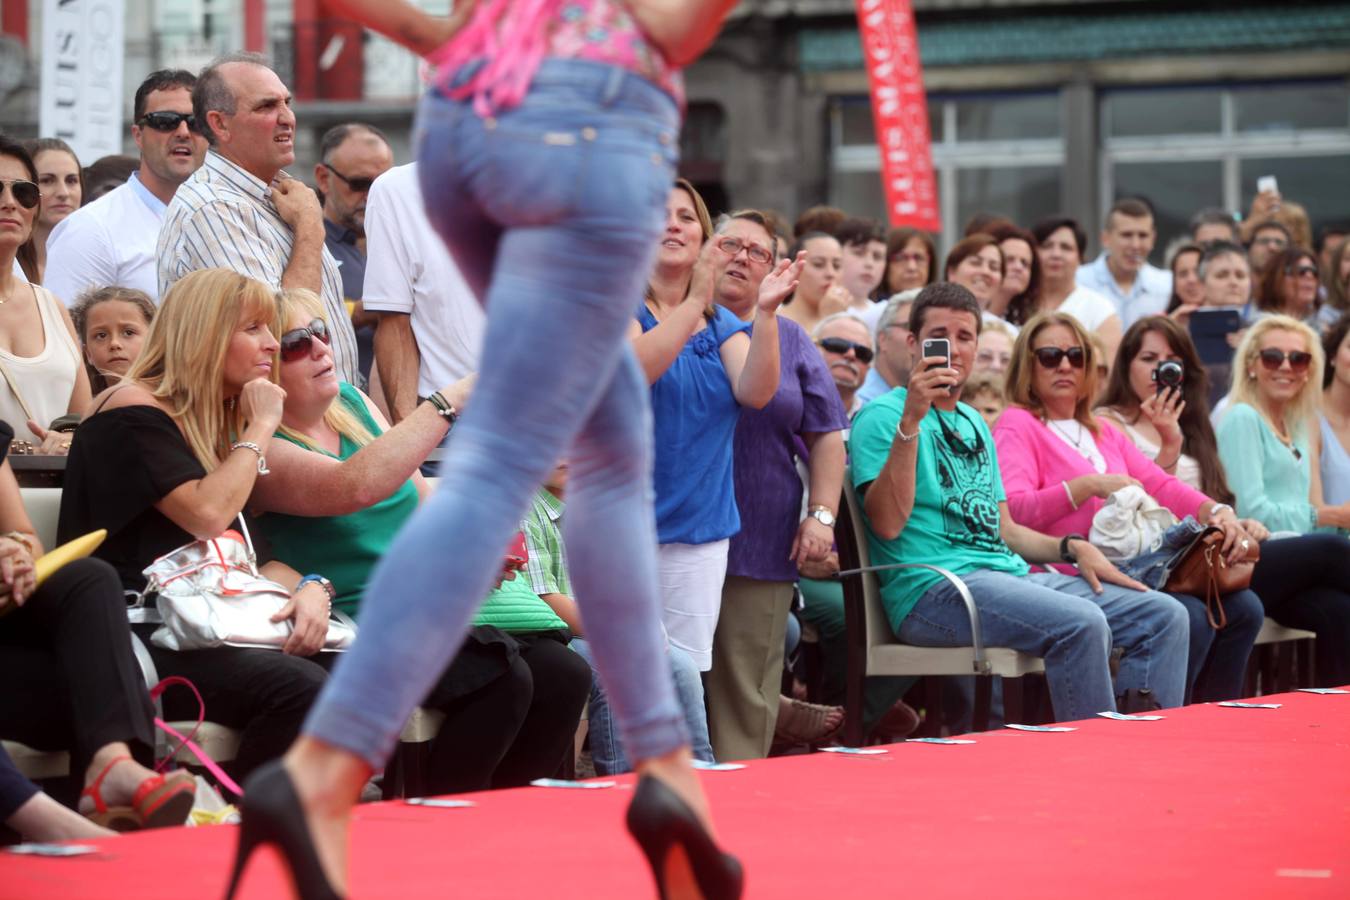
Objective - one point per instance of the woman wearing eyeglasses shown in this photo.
(42, 376)
(704, 365)
(1060, 463)
(342, 484)
(1289, 284)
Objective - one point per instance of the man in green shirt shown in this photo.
(926, 471)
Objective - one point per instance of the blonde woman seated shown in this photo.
(342, 484)
(1265, 442)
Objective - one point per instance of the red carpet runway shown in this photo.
(1218, 802)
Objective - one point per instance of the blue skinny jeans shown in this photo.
(552, 210)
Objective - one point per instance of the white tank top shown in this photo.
(47, 379)
(1187, 470)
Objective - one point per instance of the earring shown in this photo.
(1251, 376)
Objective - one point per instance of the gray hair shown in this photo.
(212, 94)
(892, 310)
(835, 317)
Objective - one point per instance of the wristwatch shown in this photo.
(1064, 552)
(823, 515)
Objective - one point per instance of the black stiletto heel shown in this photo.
(660, 821)
(272, 814)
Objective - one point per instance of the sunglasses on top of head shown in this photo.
(1272, 359)
(298, 343)
(168, 121)
(841, 346)
(1050, 357)
(25, 193)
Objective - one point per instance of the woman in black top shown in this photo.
(169, 455)
(72, 683)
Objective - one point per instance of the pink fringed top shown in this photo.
(515, 36)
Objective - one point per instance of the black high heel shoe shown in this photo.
(272, 814)
(660, 821)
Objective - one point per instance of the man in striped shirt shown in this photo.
(240, 210)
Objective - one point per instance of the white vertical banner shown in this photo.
(81, 89)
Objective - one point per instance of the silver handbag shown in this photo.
(211, 594)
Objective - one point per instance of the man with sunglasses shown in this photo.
(112, 240)
(926, 469)
(241, 210)
(352, 156)
(845, 341)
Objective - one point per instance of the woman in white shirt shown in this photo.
(40, 363)
(1060, 245)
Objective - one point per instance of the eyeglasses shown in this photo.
(919, 259)
(1302, 272)
(299, 343)
(841, 346)
(1272, 359)
(360, 185)
(731, 246)
(167, 121)
(25, 193)
(1050, 357)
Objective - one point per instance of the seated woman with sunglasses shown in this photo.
(1289, 285)
(169, 455)
(1060, 463)
(342, 484)
(43, 375)
(704, 367)
(1264, 443)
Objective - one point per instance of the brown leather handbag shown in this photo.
(1204, 573)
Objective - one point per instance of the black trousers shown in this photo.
(1304, 582)
(516, 728)
(71, 681)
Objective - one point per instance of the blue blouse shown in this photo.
(694, 413)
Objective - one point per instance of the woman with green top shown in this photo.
(1264, 444)
(342, 484)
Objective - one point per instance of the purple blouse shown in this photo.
(768, 488)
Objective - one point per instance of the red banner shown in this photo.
(890, 47)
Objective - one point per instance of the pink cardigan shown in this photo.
(1035, 463)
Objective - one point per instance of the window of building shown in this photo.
(997, 152)
(1190, 147)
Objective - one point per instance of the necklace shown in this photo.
(1076, 441)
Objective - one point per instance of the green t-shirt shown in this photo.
(344, 549)
(957, 490)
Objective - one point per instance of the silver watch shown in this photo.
(823, 515)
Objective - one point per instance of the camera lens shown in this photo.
(1168, 373)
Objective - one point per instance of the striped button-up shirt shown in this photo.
(223, 217)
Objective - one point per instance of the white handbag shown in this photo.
(211, 594)
(1129, 523)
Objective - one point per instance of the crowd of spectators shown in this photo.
(211, 340)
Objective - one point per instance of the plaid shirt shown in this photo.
(547, 566)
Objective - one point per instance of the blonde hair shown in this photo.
(983, 382)
(1299, 414)
(1017, 389)
(182, 363)
(338, 416)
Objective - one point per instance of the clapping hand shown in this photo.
(779, 284)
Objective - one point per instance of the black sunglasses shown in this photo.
(167, 121)
(1272, 359)
(360, 185)
(841, 346)
(1302, 270)
(26, 194)
(1050, 357)
(297, 344)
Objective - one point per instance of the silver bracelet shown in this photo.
(906, 438)
(249, 445)
(1214, 510)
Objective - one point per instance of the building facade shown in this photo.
(1035, 106)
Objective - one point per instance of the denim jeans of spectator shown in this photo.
(606, 746)
(1060, 618)
(552, 210)
(1218, 658)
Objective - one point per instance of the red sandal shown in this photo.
(159, 801)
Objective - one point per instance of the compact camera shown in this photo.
(1167, 375)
